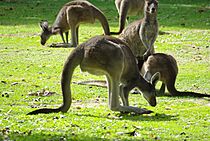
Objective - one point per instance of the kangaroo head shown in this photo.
(148, 90)
(151, 6)
(46, 32)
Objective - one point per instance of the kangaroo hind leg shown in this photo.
(114, 91)
(114, 102)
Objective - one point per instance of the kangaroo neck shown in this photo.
(150, 18)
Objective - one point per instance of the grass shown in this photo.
(28, 67)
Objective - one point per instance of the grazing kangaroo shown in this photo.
(164, 68)
(158, 67)
(71, 16)
(127, 8)
(109, 56)
(141, 35)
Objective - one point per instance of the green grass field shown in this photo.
(27, 68)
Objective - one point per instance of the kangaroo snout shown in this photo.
(153, 102)
(43, 43)
(151, 98)
(153, 10)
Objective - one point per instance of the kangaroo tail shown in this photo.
(122, 19)
(100, 16)
(172, 90)
(71, 63)
(191, 94)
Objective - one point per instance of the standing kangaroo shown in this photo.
(164, 68)
(141, 35)
(109, 56)
(127, 8)
(71, 16)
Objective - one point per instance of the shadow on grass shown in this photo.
(156, 117)
(152, 117)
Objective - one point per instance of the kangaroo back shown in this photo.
(71, 63)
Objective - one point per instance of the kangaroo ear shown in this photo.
(155, 78)
(44, 25)
(147, 76)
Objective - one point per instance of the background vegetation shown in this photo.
(27, 69)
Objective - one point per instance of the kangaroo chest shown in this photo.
(150, 31)
(130, 35)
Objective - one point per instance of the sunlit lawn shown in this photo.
(27, 68)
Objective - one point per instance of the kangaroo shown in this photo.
(158, 67)
(127, 8)
(109, 56)
(70, 16)
(164, 68)
(141, 35)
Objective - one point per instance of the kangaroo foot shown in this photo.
(134, 110)
(142, 111)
